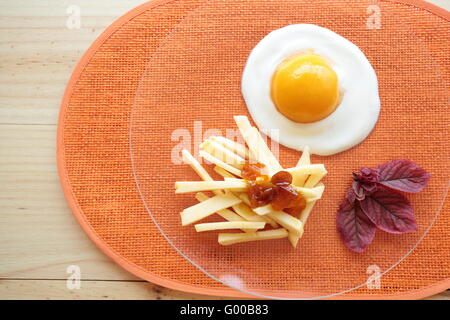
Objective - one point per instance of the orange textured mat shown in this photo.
(93, 142)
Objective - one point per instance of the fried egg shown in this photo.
(305, 85)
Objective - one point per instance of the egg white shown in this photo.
(355, 116)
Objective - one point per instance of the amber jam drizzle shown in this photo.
(276, 191)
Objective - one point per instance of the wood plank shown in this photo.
(106, 290)
(39, 236)
(38, 53)
(91, 290)
(445, 295)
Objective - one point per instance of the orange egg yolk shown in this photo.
(305, 88)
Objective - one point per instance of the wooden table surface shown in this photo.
(39, 237)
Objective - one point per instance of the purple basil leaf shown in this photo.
(403, 175)
(351, 195)
(366, 181)
(369, 175)
(356, 229)
(390, 211)
(358, 190)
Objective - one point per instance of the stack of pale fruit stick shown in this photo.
(231, 201)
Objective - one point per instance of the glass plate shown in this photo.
(191, 90)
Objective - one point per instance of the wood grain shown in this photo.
(39, 237)
(92, 290)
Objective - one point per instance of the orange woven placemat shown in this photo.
(95, 168)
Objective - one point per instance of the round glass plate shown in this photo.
(191, 90)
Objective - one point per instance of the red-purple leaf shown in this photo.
(358, 190)
(351, 195)
(356, 229)
(403, 175)
(390, 211)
